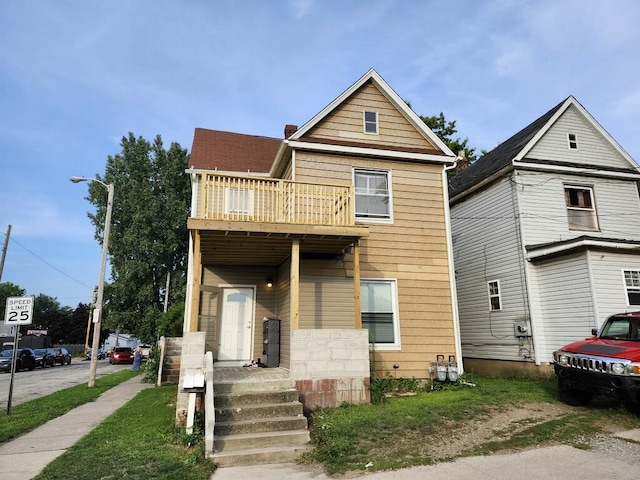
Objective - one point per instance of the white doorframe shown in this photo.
(236, 324)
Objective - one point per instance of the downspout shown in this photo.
(452, 276)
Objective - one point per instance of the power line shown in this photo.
(13, 240)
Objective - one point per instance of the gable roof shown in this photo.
(375, 78)
(500, 157)
(235, 152)
(519, 145)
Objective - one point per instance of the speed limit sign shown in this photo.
(19, 311)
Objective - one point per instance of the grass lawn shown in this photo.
(29, 415)
(139, 441)
(398, 432)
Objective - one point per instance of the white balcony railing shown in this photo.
(275, 200)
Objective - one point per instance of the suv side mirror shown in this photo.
(594, 332)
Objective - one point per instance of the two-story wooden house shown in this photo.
(546, 235)
(340, 232)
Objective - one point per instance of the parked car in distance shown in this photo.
(25, 358)
(121, 355)
(62, 356)
(101, 354)
(45, 357)
(146, 351)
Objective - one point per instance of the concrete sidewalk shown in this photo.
(26, 456)
(621, 461)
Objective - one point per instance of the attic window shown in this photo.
(370, 122)
(573, 141)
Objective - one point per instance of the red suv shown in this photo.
(121, 355)
(608, 363)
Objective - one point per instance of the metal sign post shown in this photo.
(19, 311)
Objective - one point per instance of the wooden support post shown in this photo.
(196, 281)
(295, 283)
(357, 308)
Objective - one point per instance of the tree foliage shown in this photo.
(445, 130)
(149, 237)
(64, 325)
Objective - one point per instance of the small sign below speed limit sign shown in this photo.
(19, 311)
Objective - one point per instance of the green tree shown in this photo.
(149, 237)
(8, 289)
(49, 315)
(445, 131)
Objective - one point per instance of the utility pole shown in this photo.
(4, 250)
(166, 292)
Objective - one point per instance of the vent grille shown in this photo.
(590, 363)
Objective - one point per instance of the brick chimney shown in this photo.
(290, 130)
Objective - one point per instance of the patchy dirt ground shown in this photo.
(497, 426)
(503, 424)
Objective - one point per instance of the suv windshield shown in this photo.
(620, 328)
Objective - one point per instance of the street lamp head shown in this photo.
(78, 179)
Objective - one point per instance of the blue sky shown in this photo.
(77, 76)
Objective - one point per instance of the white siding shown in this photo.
(593, 148)
(486, 247)
(544, 212)
(564, 298)
(610, 294)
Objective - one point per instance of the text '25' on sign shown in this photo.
(19, 311)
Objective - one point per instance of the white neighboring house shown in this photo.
(120, 340)
(546, 239)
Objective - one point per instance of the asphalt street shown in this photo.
(44, 381)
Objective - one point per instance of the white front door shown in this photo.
(236, 324)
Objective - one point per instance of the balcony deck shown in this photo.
(244, 220)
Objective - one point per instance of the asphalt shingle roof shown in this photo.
(235, 152)
(499, 157)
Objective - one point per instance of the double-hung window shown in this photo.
(495, 302)
(581, 209)
(373, 194)
(632, 286)
(379, 310)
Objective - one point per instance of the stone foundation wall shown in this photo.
(330, 366)
(506, 368)
(191, 360)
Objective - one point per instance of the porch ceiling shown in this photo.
(267, 248)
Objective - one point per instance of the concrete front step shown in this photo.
(251, 387)
(275, 424)
(248, 441)
(260, 456)
(237, 399)
(257, 411)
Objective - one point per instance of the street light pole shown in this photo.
(97, 312)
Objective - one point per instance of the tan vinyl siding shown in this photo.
(411, 250)
(346, 122)
(213, 278)
(283, 312)
(326, 302)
